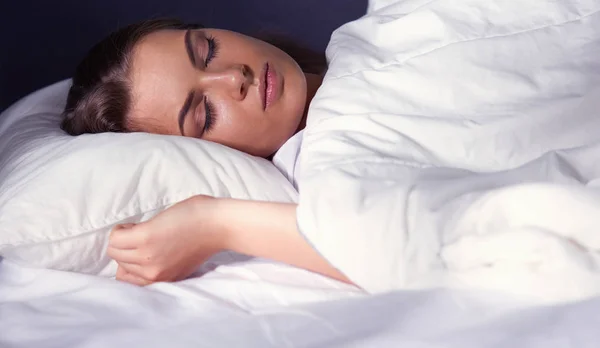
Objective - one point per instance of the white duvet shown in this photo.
(456, 144)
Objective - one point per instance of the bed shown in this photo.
(461, 199)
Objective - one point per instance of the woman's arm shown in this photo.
(173, 244)
(269, 230)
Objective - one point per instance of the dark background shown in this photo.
(42, 41)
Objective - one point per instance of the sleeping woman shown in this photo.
(168, 77)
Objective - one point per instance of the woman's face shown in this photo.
(219, 86)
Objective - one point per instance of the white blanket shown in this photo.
(456, 144)
(237, 306)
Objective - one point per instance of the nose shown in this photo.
(234, 81)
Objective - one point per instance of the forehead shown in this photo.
(159, 74)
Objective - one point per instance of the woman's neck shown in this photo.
(313, 82)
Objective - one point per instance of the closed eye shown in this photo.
(213, 50)
(209, 116)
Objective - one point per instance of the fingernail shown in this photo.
(125, 226)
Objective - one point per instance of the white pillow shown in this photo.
(61, 195)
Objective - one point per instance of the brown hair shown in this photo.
(99, 97)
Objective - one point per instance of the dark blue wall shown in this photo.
(42, 41)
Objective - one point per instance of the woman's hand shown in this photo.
(170, 246)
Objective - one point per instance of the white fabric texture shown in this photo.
(259, 305)
(456, 144)
(287, 158)
(61, 195)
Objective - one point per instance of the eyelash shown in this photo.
(210, 115)
(213, 50)
(210, 111)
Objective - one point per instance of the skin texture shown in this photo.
(162, 76)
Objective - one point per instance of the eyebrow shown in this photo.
(184, 110)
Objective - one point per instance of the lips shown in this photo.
(269, 87)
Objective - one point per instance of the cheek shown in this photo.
(251, 132)
(234, 123)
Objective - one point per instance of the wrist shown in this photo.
(238, 224)
(229, 221)
(253, 227)
(210, 215)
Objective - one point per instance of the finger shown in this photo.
(124, 255)
(133, 279)
(120, 273)
(134, 269)
(149, 273)
(124, 237)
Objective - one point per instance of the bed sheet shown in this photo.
(248, 305)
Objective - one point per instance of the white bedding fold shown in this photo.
(457, 144)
